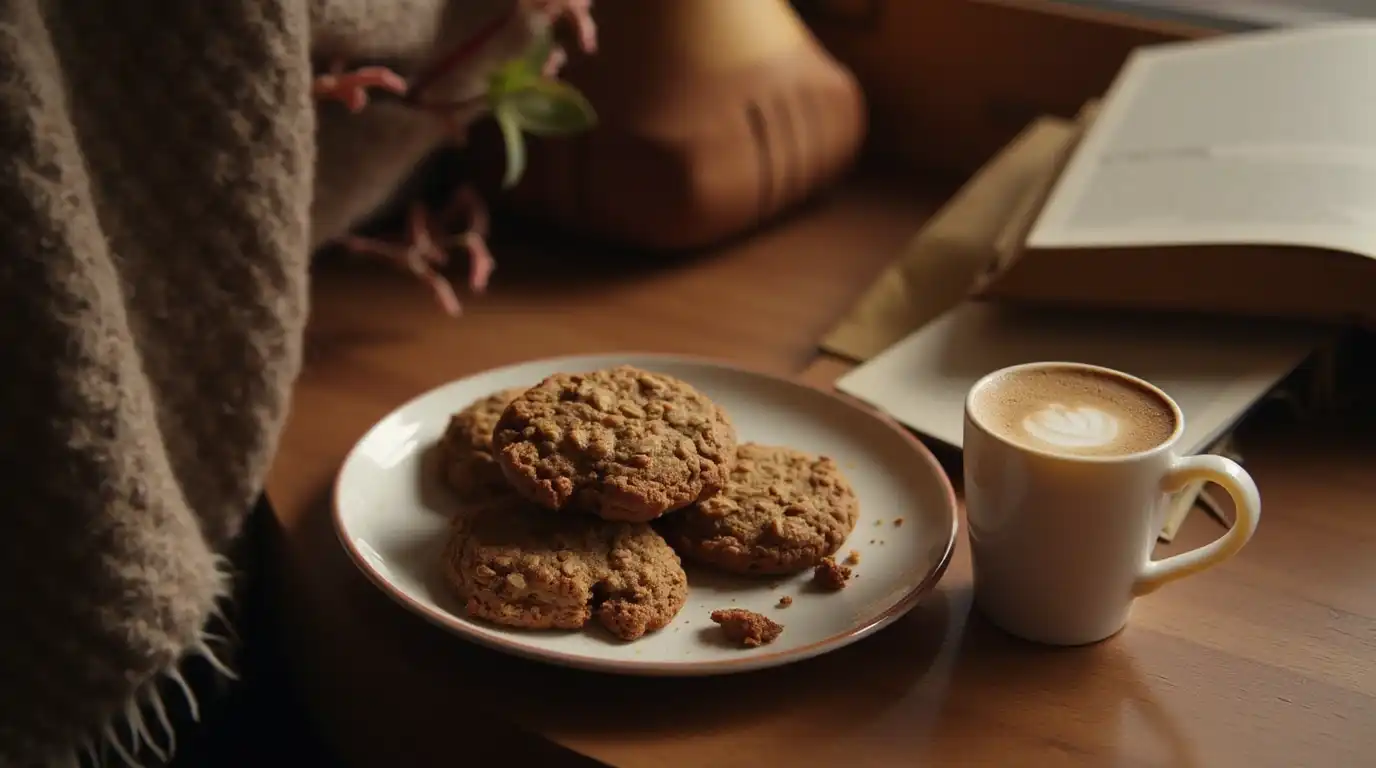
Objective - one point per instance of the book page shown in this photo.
(1264, 138)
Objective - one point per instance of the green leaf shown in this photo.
(551, 108)
(515, 75)
(522, 72)
(515, 141)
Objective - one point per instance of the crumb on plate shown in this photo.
(831, 575)
(853, 558)
(747, 628)
(785, 601)
(898, 522)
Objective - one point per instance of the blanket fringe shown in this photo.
(145, 728)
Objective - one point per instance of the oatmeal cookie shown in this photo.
(465, 450)
(781, 512)
(516, 564)
(620, 443)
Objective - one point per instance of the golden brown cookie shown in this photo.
(516, 564)
(465, 449)
(782, 512)
(620, 443)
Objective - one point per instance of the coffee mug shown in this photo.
(1068, 471)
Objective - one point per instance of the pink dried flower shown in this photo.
(351, 88)
(424, 250)
(579, 12)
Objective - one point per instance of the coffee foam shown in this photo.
(1075, 411)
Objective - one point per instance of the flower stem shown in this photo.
(460, 54)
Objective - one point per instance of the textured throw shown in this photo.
(157, 209)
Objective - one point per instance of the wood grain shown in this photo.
(1269, 660)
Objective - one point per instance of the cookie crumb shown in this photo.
(898, 522)
(785, 601)
(853, 558)
(747, 628)
(831, 575)
(878, 523)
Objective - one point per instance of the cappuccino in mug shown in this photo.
(1074, 411)
(1068, 468)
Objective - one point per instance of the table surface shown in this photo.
(1270, 659)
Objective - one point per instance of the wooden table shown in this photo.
(1268, 660)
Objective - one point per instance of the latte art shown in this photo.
(1080, 427)
(1075, 411)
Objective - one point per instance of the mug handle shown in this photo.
(1246, 500)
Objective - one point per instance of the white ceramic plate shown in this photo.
(391, 516)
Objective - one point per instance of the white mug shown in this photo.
(1061, 542)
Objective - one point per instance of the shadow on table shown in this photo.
(1085, 705)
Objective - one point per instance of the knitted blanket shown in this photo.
(163, 179)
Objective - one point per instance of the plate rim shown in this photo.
(754, 661)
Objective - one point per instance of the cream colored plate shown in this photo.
(391, 513)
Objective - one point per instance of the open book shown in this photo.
(1235, 175)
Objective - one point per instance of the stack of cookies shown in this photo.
(560, 483)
